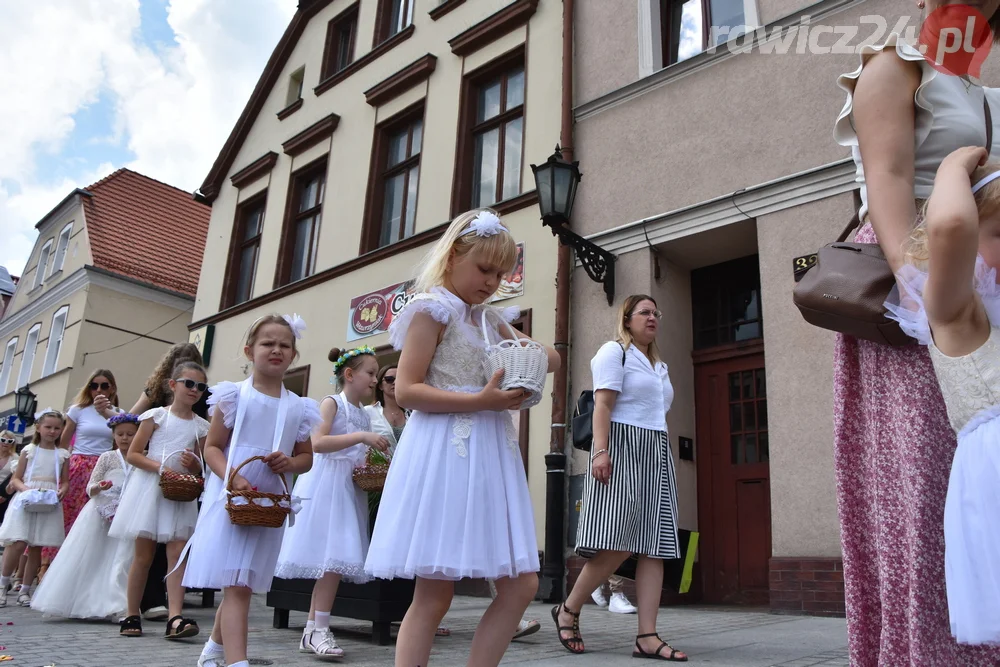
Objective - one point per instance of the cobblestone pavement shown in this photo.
(722, 637)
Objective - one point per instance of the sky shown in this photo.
(90, 86)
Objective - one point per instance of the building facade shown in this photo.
(373, 124)
(707, 172)
(109, 284)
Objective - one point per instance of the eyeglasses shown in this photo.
(389, 379)
(645, 312)
(191, 384)
(8, 441)
(104, 386)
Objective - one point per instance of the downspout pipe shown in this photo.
(553, 582)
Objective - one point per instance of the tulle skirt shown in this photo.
(38, 529)
(144, 512)
(88, 577)
(331, 532)
(455, 502)
(972, 533)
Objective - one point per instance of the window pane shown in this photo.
(489, 101)
(411, 201)
(765, 453)
(400, 17)
(43, 262)
(749, 420)
(345, 44)
(512, 159)
(61, 249)
(55, 344)
(688, 34)
(299, 254)
(515, 88)
(748, 384)
(8, 361)
(307, 199)
(734, 386)
(27, 358)
(762, 413)
(735, 418)
(418, 136)
(397, 147)
(728, 13)
(248, 265)
(484, 176)
(751, 450)
(392, 209)
(252, 226)
(747, 331)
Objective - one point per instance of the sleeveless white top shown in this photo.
(949, 115)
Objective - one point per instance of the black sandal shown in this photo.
(656, 655)
(130, 626)
(186, 628)
(575, 629)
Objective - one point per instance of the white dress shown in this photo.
(220, 553)
(970, 385)
(38, 529)
(456, 501)
(149, 514)
(331, 532)
(88, 549)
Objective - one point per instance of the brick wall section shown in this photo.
(810, 586)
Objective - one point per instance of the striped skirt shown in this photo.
(637, 510)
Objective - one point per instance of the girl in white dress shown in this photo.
(329, 540)
(42, 477)
(255, 417)
(949, 300)
(455, 502)
(175, 436)
(87, 578)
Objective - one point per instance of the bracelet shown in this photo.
(598, 453)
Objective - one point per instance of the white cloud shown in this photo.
(175, 105)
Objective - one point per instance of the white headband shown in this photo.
(485, 224)
(985, 181)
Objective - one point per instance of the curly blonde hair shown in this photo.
(915, 248)
(157, 388)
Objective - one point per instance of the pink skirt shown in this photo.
(893, 451)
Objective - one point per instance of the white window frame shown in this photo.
(55, 338)
(62, 247)
(8, 362)
(28, 355)
(43, 262)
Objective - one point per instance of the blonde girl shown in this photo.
(42, 468)
(175, 437)
(329, 540)
(455, 502)
(255, 417)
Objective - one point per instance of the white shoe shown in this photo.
(323, 644)
(156, 614)
(525, 628)
(620, 605)
(304, 643)
(24, 599)
(599, 598)
(212, 661)
(3, 597)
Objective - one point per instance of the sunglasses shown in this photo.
(191, 384)
(104, 386)
(647, 313)
(389, 379)
(8, 441)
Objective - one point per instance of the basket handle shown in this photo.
(510, 329)
(201, 463)
(236, 470)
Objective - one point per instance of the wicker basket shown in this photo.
(182, 487)
(252, 514)
(524, 362)
(371, 476)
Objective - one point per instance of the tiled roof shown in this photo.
(147, 230)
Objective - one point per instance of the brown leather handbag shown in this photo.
(843, 287)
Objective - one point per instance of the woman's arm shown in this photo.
(69, 430)
(884, 120)
(413, 393)
(604, 404)
(324, 443)
(142, 404)
(135, 455)
(17, 481)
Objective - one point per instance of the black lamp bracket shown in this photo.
(597, 262)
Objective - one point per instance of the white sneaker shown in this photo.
(323, 644)
(620, 605)
(156, 614)
(599, 598)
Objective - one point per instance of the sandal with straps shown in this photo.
(130, 626)
(575, 629)
(185, 628)
(656, 655)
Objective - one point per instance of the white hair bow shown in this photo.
(46, 411)
(485, 224)
(296, 324)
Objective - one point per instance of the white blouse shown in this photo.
(93, 437)
(644, 391)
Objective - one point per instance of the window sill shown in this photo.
(523, 200)
(365, 60)
(444, 8)
(290, 109)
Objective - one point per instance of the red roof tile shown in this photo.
(147, 230)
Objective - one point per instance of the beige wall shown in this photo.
(325, 307)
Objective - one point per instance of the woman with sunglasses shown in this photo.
(8, 464)
(87, 422)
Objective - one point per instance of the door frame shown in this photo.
(703, 460)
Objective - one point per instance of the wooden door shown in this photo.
(734, 500)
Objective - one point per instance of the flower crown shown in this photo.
(123, 418)
(350, 354)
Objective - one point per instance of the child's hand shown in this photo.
(105, 485)
(240, 483)
(492, 397)
(278, 462)
(63, 490)
(375, 440)
(967, 158)
(191, 462)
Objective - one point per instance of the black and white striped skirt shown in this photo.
(637, 510)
